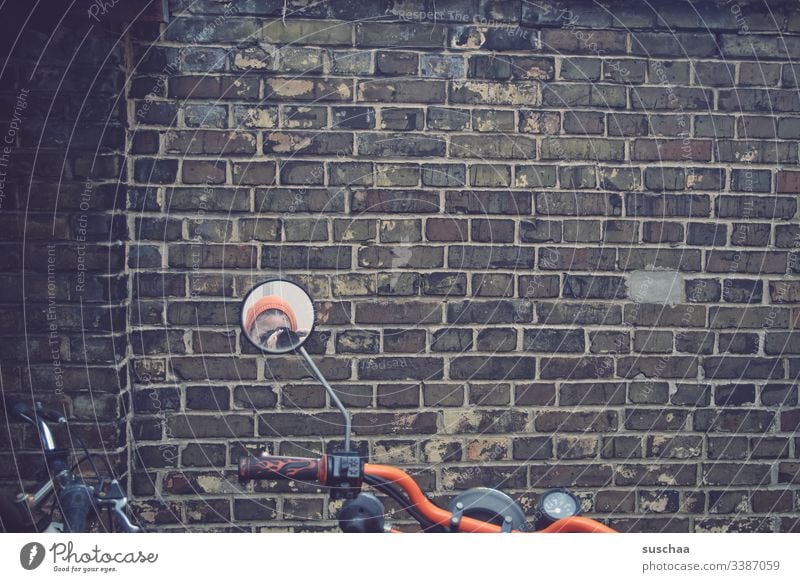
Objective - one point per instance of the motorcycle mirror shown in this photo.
(277, 316)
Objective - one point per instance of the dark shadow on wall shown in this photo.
(63, 231)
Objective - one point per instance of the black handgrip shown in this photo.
(76, 502)
(277, 468)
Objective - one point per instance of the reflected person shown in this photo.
(272, 323)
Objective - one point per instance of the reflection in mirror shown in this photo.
(277, 316)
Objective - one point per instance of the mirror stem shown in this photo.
(332, 394)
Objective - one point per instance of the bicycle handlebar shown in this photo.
(37, 417)
(314, 470)
(279, 468)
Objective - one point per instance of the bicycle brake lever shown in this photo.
(114, 490)
(118, 507)
(115, 497)
(51, 415)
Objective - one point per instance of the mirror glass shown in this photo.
(277, 316)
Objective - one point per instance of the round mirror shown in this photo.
(277, 316)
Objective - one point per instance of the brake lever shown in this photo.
(116, 499)
(51, 415)
(118, 508)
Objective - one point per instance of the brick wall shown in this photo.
(551, 244)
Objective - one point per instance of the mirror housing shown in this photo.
(277, 316)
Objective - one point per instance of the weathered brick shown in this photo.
(580, 69)
(589, 123)
(576, 369)
(489, 93)
(652, 44)
(662, 232)
(350, 62)
(602, 342)
(716, 126)
(711, 234)
(210, 142)
(293, 89)
(582, 149)
(254, 58)
(576, 259)
(493, 38)
(482, 202)
(404, 145)
(353, 117)
(576, 421)
(553, 341)
(153, 171)
(393, 201)
(576, 177)
(392, 175)
(733, 367)
(757, 100)
(442, 67)
(448, 119)
(584, 41)
(494, 367)
(493, 231)
(788, 182)
(663, 205)
(671, 150)
(490, 67)
(307, 32)
(582, 231)
(738, 343)
(736, 150)
(720, 261)
(578, 204)
(594, 287)
(401, 90)
(487, 120)
(407, 35)
(403, 119)
(209, 87)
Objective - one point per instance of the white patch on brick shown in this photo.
(659, 287)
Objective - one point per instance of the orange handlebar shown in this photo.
(577, 524)
(442, 517)
(435, 514)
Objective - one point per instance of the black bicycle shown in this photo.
(69, 500)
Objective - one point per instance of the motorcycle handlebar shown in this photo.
(442, 517)
(315, 470)
(281, 468)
